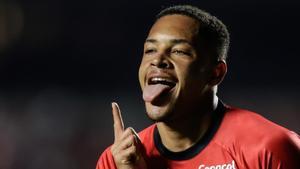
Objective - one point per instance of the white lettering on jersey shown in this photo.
(230, 165)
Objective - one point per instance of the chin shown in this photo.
(158, 113)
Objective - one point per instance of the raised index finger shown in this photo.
(118, 121)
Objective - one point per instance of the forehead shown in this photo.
(175, 26)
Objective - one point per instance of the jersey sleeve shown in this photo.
(106, 160)
(284, 153)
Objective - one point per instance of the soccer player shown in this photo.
(183, 62)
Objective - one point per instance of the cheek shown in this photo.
(191, 75)
(142, 73)
(183, 72)
(197, 72)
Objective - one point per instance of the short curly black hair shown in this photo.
(214, 34)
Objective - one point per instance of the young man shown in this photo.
(184, 60)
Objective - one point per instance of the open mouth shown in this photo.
(161, 80)
(157, 87)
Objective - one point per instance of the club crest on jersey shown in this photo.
(230, 165)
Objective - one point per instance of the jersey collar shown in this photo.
(199, 146)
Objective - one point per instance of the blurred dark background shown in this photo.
(63, 62)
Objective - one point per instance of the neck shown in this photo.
(179, 135)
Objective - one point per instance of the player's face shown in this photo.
(171, 73)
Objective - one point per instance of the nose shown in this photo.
(161, 61)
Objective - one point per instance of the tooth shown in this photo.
(157, 79)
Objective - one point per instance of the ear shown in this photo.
(218, 73)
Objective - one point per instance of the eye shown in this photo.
(149, 51)
(181, 52)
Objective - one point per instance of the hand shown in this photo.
(127, 148)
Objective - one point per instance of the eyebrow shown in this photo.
(173, 41)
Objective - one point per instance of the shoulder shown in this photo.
(251, 128)
(255, 137)
(248, 124)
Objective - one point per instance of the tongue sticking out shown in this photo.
(151, 92)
